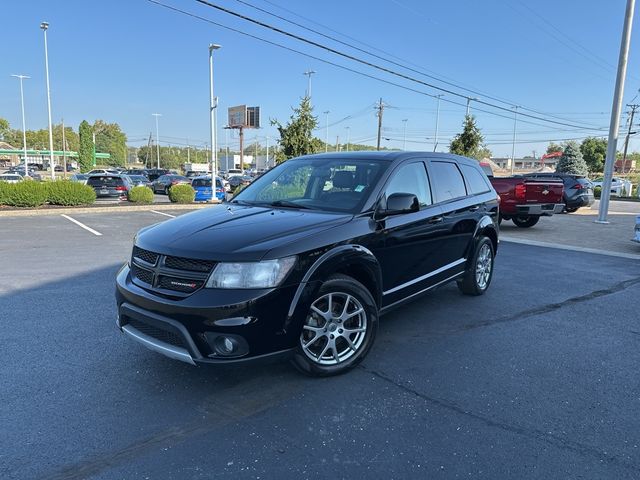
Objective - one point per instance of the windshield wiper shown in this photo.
(287, 203)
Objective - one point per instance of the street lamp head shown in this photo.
(44, 25)
(20, 76)
(214, 46)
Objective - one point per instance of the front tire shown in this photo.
(526, 222)
(477, 277)
(339, 328)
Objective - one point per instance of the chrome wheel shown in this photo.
(483, 266)
(334, 329)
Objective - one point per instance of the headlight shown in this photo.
(266, 274)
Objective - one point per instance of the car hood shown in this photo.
(234, 233)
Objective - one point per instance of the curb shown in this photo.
(109, 209)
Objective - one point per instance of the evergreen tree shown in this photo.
(296, 137)
(85, 152)
(469, 143)
(571, 160)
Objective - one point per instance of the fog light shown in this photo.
(226, 345)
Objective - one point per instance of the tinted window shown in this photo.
(476, 181)
(201, 182)
(104, 180)
(411, 178)
(447, 181)
(162, 178)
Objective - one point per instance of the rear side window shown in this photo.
(201, 182)
(104, 180)
(476, 181)
(411, 178)
(447, 181)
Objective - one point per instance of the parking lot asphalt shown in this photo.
(536, 379)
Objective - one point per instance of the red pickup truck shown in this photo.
(524, 200)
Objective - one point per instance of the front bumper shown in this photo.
(544, 209)
(187, 328)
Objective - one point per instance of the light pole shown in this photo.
(348, 132)
(44, 26)
(404, 136)
(308, 73)
(213, 105)
(267, 162)
(435, 141)
(24, 128)
(468, 103)
(326, 142)
(513, 144)
(616, 109)
(157, 139)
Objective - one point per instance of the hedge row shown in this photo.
(35, 194)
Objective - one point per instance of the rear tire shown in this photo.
(477, 277)
(526, 222)
(570, 209)
(339, 328)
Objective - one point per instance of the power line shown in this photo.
(364, 62)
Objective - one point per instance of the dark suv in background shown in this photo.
(306, 258)
(578, 190)
(110, 186)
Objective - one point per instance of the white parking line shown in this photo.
(559, 246)
(82, 225)
(162, 213)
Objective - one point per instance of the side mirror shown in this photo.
(398, 203)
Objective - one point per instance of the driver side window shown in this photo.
(411, 178)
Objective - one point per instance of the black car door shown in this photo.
(460, 210)
(408, 245)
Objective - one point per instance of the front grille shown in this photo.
(169, 275)
(141, 274)
(190, 264)
(179, 284)
(145, 255)
(158, 333)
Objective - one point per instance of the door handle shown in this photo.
(475, 208)
(436, 220)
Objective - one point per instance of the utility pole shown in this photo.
(64, 151)
(308, 73)
(326, 137)
(188, 152)
(337, 142)
(626, 141)
(267, 162)
(212, 120)
(404, 136)
(513, 144)
(380, 109)
(157, 138)
(435, 141)
(24, 127)
(348, 132)
(149, 147)
(615, 113)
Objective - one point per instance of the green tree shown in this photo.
(571, 160)
(469, 143)
(594, 151)
(112, 140)
(4, 129)
(554, 147)
(85, 149)
(296, 137)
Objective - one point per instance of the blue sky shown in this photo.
(123, 60)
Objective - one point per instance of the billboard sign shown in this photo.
(245, 117)
(238, 116)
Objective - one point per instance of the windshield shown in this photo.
(331, 184)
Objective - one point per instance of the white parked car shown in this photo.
(10, 178)
(617, 185)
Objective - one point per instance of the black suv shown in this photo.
(304, 260)
(578, 190)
